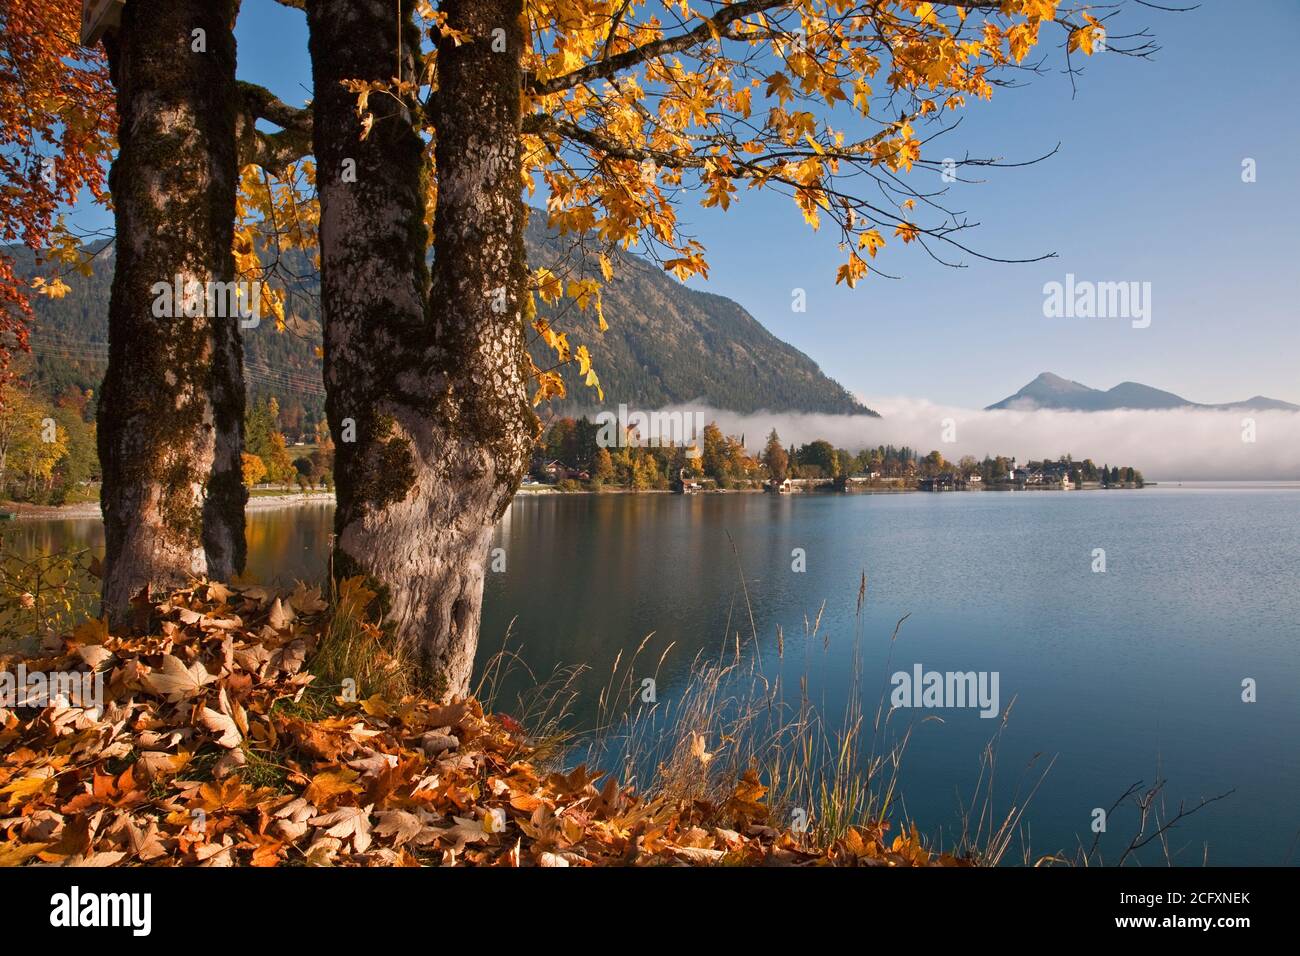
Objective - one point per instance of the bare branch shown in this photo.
(261, 103)
(272, 151)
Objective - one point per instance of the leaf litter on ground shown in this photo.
(211, 747)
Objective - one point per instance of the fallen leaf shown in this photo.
(176, 682)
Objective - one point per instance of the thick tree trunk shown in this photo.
(426, 375)
(172, 404)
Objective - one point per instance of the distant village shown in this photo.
(575, 455)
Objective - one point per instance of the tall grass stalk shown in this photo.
(352, 647)
(732, 715)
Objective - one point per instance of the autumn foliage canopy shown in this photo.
(628, 107)
(57, 129)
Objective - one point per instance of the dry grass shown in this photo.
(354, 648)
(544, 708)
(731, 715)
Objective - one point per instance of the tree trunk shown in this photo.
(172, 404)
(426, 381)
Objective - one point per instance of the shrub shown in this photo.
(44, 595)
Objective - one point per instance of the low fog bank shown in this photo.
(1189, 444)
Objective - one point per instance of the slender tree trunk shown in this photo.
(172, 404)
(426, 374)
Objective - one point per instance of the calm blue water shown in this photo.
(1130, 675)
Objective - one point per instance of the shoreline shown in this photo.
(91, 509)
(85, 510)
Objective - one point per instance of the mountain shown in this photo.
(69, 338)
(1261, 403)
(666, 344)
(669, 344)
(1052, 391)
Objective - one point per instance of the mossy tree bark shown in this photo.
(172, 404)
(426, 373)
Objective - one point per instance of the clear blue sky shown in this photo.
(1146, 187)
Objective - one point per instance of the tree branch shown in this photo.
(538, 123)
(272, 151)
(261, 103)
(714, 26)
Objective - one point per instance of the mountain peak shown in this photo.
(1052, 380)
(1052, 391)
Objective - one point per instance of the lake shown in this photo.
(1131, 674)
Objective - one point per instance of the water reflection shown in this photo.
(1118, 675)
(284, 544)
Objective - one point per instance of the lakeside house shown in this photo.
(800, 485)
(869, 481)
(810, 484)
(946, 481)
(1053, 475)
(1049, 476)
(685, 484)
(557, 471)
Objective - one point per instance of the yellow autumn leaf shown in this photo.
(549, 385)
(592, 381)
(872, 241)
(584, 292)
(331, 783)
(851, 271)
(54, 290)
(20, 791)
(549, 286)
